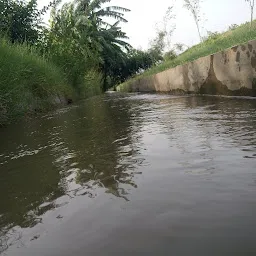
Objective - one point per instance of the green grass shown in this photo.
(221, 42)
(28, 83)
(92, 84)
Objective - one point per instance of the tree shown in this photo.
(82, 40)
(169, 26)
(194, 7)
(251, 3)
(158, 43)
(20, 20)
(162, 42)
(170, 55)
(71, 46)
(94, 11)
(179, 47)
(113, 52)
(109, 38)
(137, 61)
(233, 27)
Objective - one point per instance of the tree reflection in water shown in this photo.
(71, 152)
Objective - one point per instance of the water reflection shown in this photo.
(71, 153)
(102, 146)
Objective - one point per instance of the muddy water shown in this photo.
(131, 175)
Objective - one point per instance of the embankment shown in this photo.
(28, 83)
(229, 72)
(31, 84)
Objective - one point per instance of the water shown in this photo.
(131, 175)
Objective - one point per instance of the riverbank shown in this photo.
(214, 44)
(30, 83)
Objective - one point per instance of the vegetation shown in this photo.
(20, 21)
(28, 82)
(83, 51)
(251, 3)
(194, 7)
(215, 42)
(79, 54)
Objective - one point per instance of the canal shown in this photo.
(131, 174)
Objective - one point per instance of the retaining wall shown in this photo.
(230, 72)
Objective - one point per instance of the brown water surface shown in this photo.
(131, 174)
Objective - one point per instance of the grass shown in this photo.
(215, 44)
(28, 83)
(92, 84)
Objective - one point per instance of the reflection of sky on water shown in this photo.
(102, 146)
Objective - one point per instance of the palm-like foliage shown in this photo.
(79, 29)
(114, 51)
(110, 37)
(93, 10)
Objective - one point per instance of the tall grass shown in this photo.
(27, 82)
(92, 84)
(82, 73)
(239, 35)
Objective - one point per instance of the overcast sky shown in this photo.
(144, 15)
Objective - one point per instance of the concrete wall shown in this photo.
(230, 72)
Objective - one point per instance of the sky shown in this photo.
(218, 15)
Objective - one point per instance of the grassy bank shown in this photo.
(215, 43)
(28, 82)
